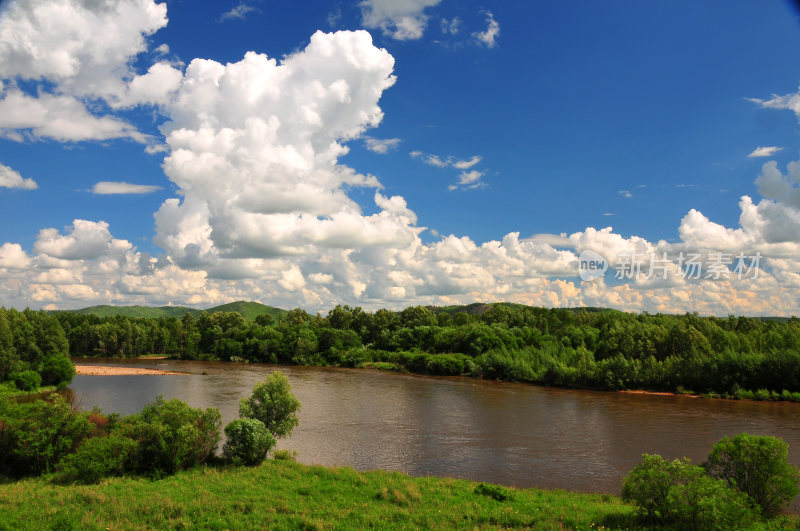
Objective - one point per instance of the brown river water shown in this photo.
(514, 434)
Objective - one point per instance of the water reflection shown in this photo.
(514, 434)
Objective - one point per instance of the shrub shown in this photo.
(248, 442)
(680, 493)
(496, 492)
(57, 370)
(35, 436)
(284, 455)
(172, 436)
(273, 403)
(26, 380)
(757, 466)
(97, 458)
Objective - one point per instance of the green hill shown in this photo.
(106, 310)
(248, 310)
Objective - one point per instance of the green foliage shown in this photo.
(248, 442)
(273, 403)
(757, 466)
(58, 371)
(496, 492)
(26, 380)
(97, 458)
(680, 493)
(171, 436)
(34, 437)
(284, 455)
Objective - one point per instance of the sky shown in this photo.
(387, 153)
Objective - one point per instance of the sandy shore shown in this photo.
(655, 393)
(102, 370)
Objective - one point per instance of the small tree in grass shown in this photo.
(273, 403)
(758, 466)
(268, 414)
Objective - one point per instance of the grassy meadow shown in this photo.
(287, 495)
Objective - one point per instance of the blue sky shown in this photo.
(550, 120)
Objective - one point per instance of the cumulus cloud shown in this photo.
(78, 52)
(766, 151)
(381, 146)
(121, 187)
(399, 19)
(62, 118)
(86, 240)
(12, 179)
(488, 36)
(262, 209)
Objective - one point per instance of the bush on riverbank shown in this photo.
(49, 435)
(744, 477)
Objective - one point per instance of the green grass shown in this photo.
(289, 495)
(8, 390)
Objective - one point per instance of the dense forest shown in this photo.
(733, 356)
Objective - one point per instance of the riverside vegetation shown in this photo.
(736, 357)
(158, 469)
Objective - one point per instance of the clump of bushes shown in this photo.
(745, 477)
(266, 415)
(757, 466)
(248, 442)
(49, 435)
(26, 380)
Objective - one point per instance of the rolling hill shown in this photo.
(248, 310)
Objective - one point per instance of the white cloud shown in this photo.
(489, 35)
(275, 131)
(452, 26)
(12, 179)
(399, 19)
(12, 256)
(766, 151)
(382, 146)
(238, 12)
(86, 240)
(121, 187)
(61, 118)
(466, 164)
(435, 160)
(625, 193)
(468, 179)
(79, 52)
(789, 101)
(782, 188)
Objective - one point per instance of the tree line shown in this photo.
(733, 356)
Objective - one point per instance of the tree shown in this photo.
(758, 466)
(273, 403)
(248, 442)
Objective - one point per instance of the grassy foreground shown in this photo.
(288, 495)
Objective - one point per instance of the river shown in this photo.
(515, 434)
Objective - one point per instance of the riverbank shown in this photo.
(107, 370)
(288, 495)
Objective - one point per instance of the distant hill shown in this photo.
(478, 308)
(248, 310)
